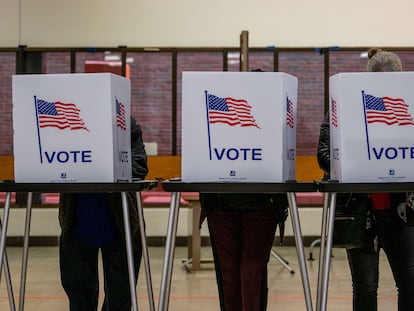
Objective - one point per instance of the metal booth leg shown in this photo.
(8, 280)
(322, 241)
(3, 234)
(299, 248)
(169, 252)
(326, 264)
(130, 256)
(25, 251)
(145, 252)
(3, 254)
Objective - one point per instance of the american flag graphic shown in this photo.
(120, 115)
(59, 115)
(289, 113)
(387, 110)
(230, 111)
(334, 113)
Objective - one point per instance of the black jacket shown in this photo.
(324, 158)
(139, 170)
(247, 202)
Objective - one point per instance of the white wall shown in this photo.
(45, 222)
(164, 23)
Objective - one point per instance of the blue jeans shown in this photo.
(397, 240)
(79, 275)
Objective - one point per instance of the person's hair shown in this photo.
(380, 60)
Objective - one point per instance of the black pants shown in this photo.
(79, 275)
(397, 240)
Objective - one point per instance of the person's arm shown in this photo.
(324, 158)
(138, 154)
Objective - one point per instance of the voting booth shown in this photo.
(372, 127)
(238, 127)
(71, 128)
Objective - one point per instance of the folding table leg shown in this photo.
(3, 234)
(169, 252)
(299, 248)
(145, 252)
(328, 253)
(130, 256)
(8, 281)
(25, 251)
(325, 210)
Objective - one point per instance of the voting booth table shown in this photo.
(238, 136)
(72, 134)
(371, 128)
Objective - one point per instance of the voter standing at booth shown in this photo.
(93, 222)
(393, 223)
(242, 228)
(224, 141)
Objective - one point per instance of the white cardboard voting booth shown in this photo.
(71, 128)
(372, 127)
(238, 127)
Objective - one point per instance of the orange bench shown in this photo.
(166, 167)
